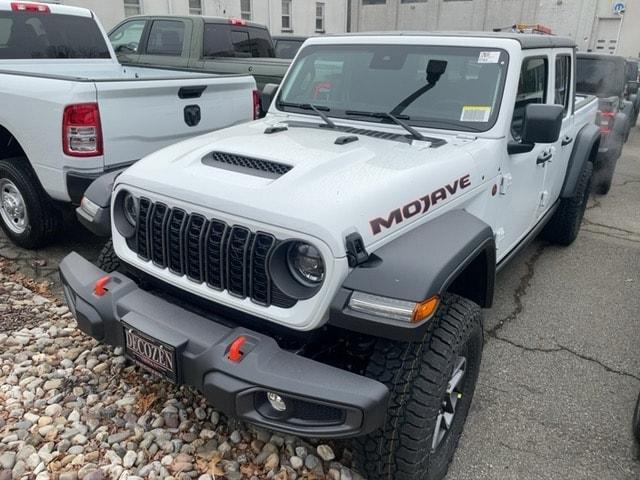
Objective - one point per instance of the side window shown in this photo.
(241, 43)
(166, 38)
(217, 41)
(126, 38)
(261, 45)
(562, 87)
(532, 88)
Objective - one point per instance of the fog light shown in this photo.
(276, 401)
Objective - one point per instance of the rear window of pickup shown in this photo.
(25, 35)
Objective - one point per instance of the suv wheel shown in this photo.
(27, 214)
(564, 226)
(431, 384)
(603, 178)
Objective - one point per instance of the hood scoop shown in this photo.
(246, 165)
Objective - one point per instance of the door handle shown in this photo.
(544, 157)
(566, 141)
(191, 92)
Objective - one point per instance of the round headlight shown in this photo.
(305, 263)
(130, 209)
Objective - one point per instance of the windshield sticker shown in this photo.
(475, 113)
(489, 57)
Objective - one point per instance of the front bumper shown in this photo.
(323, 401)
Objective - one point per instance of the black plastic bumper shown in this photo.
(322, 401)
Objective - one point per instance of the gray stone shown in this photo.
(296, 462)
(72, 475)
(129, 459)
(311, 462)
(7, 460)
(326, 453)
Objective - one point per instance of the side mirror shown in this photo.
(268, 94)
(633, 87)
(541, 124)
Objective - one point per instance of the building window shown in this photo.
(320, 17)
(286, 16)
(195, 7)
(132, 7)
(245, 9)
(374, 2)
(413, 1)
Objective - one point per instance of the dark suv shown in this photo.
(605, 76)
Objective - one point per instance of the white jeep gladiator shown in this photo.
(69, 112)
(322, 271)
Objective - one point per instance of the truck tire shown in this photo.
(636, 420)
(565, 224)
(413, 443)
(27, 214)
(108, 260)
(603, 178)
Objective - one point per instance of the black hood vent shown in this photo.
(246, 165)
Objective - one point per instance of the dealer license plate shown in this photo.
(150, 353)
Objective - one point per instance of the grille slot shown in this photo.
(142, 230)
(260, 281)
(225, 257)
(175, 240)
(241, 163)
(196, 229)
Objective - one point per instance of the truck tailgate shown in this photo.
(140, 116)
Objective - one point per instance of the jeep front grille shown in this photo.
(224, 257)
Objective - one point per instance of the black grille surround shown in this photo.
(256, 166)
(208, 251)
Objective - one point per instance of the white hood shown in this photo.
(331, 190)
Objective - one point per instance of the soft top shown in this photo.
(526, 40)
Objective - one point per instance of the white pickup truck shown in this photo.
(69, 112)
(322, 271)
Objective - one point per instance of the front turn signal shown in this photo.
(424, 309)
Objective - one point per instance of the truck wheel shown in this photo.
(603, 178)
(27, 214)
(108, 260)
(565, 224)
(431, 386)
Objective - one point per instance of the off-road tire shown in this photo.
(44, 220)
(417, 375)
(603, 178)
(636, 420)
(565, 223)
(108, 260)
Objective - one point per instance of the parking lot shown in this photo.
(561, 370)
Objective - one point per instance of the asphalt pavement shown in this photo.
(561, 366)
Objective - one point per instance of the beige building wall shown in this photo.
(591, 23)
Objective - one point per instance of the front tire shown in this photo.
(27, 214)
(636, 420)
(565, 224)
(431, 386)
(108, 260)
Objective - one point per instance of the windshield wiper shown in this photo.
(319, 110)
(452, 123)
(398, 120)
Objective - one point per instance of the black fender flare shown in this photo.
(429, 260)
(99, 193)
(583, 151)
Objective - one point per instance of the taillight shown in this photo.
(81, 132)
(257, 109)
(605, 121)
(30, 7)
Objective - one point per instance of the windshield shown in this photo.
(447, 87)
(44, 35)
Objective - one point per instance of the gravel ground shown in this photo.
(71, 408)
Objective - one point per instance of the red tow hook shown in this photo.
(235, 355)
(100, 289)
